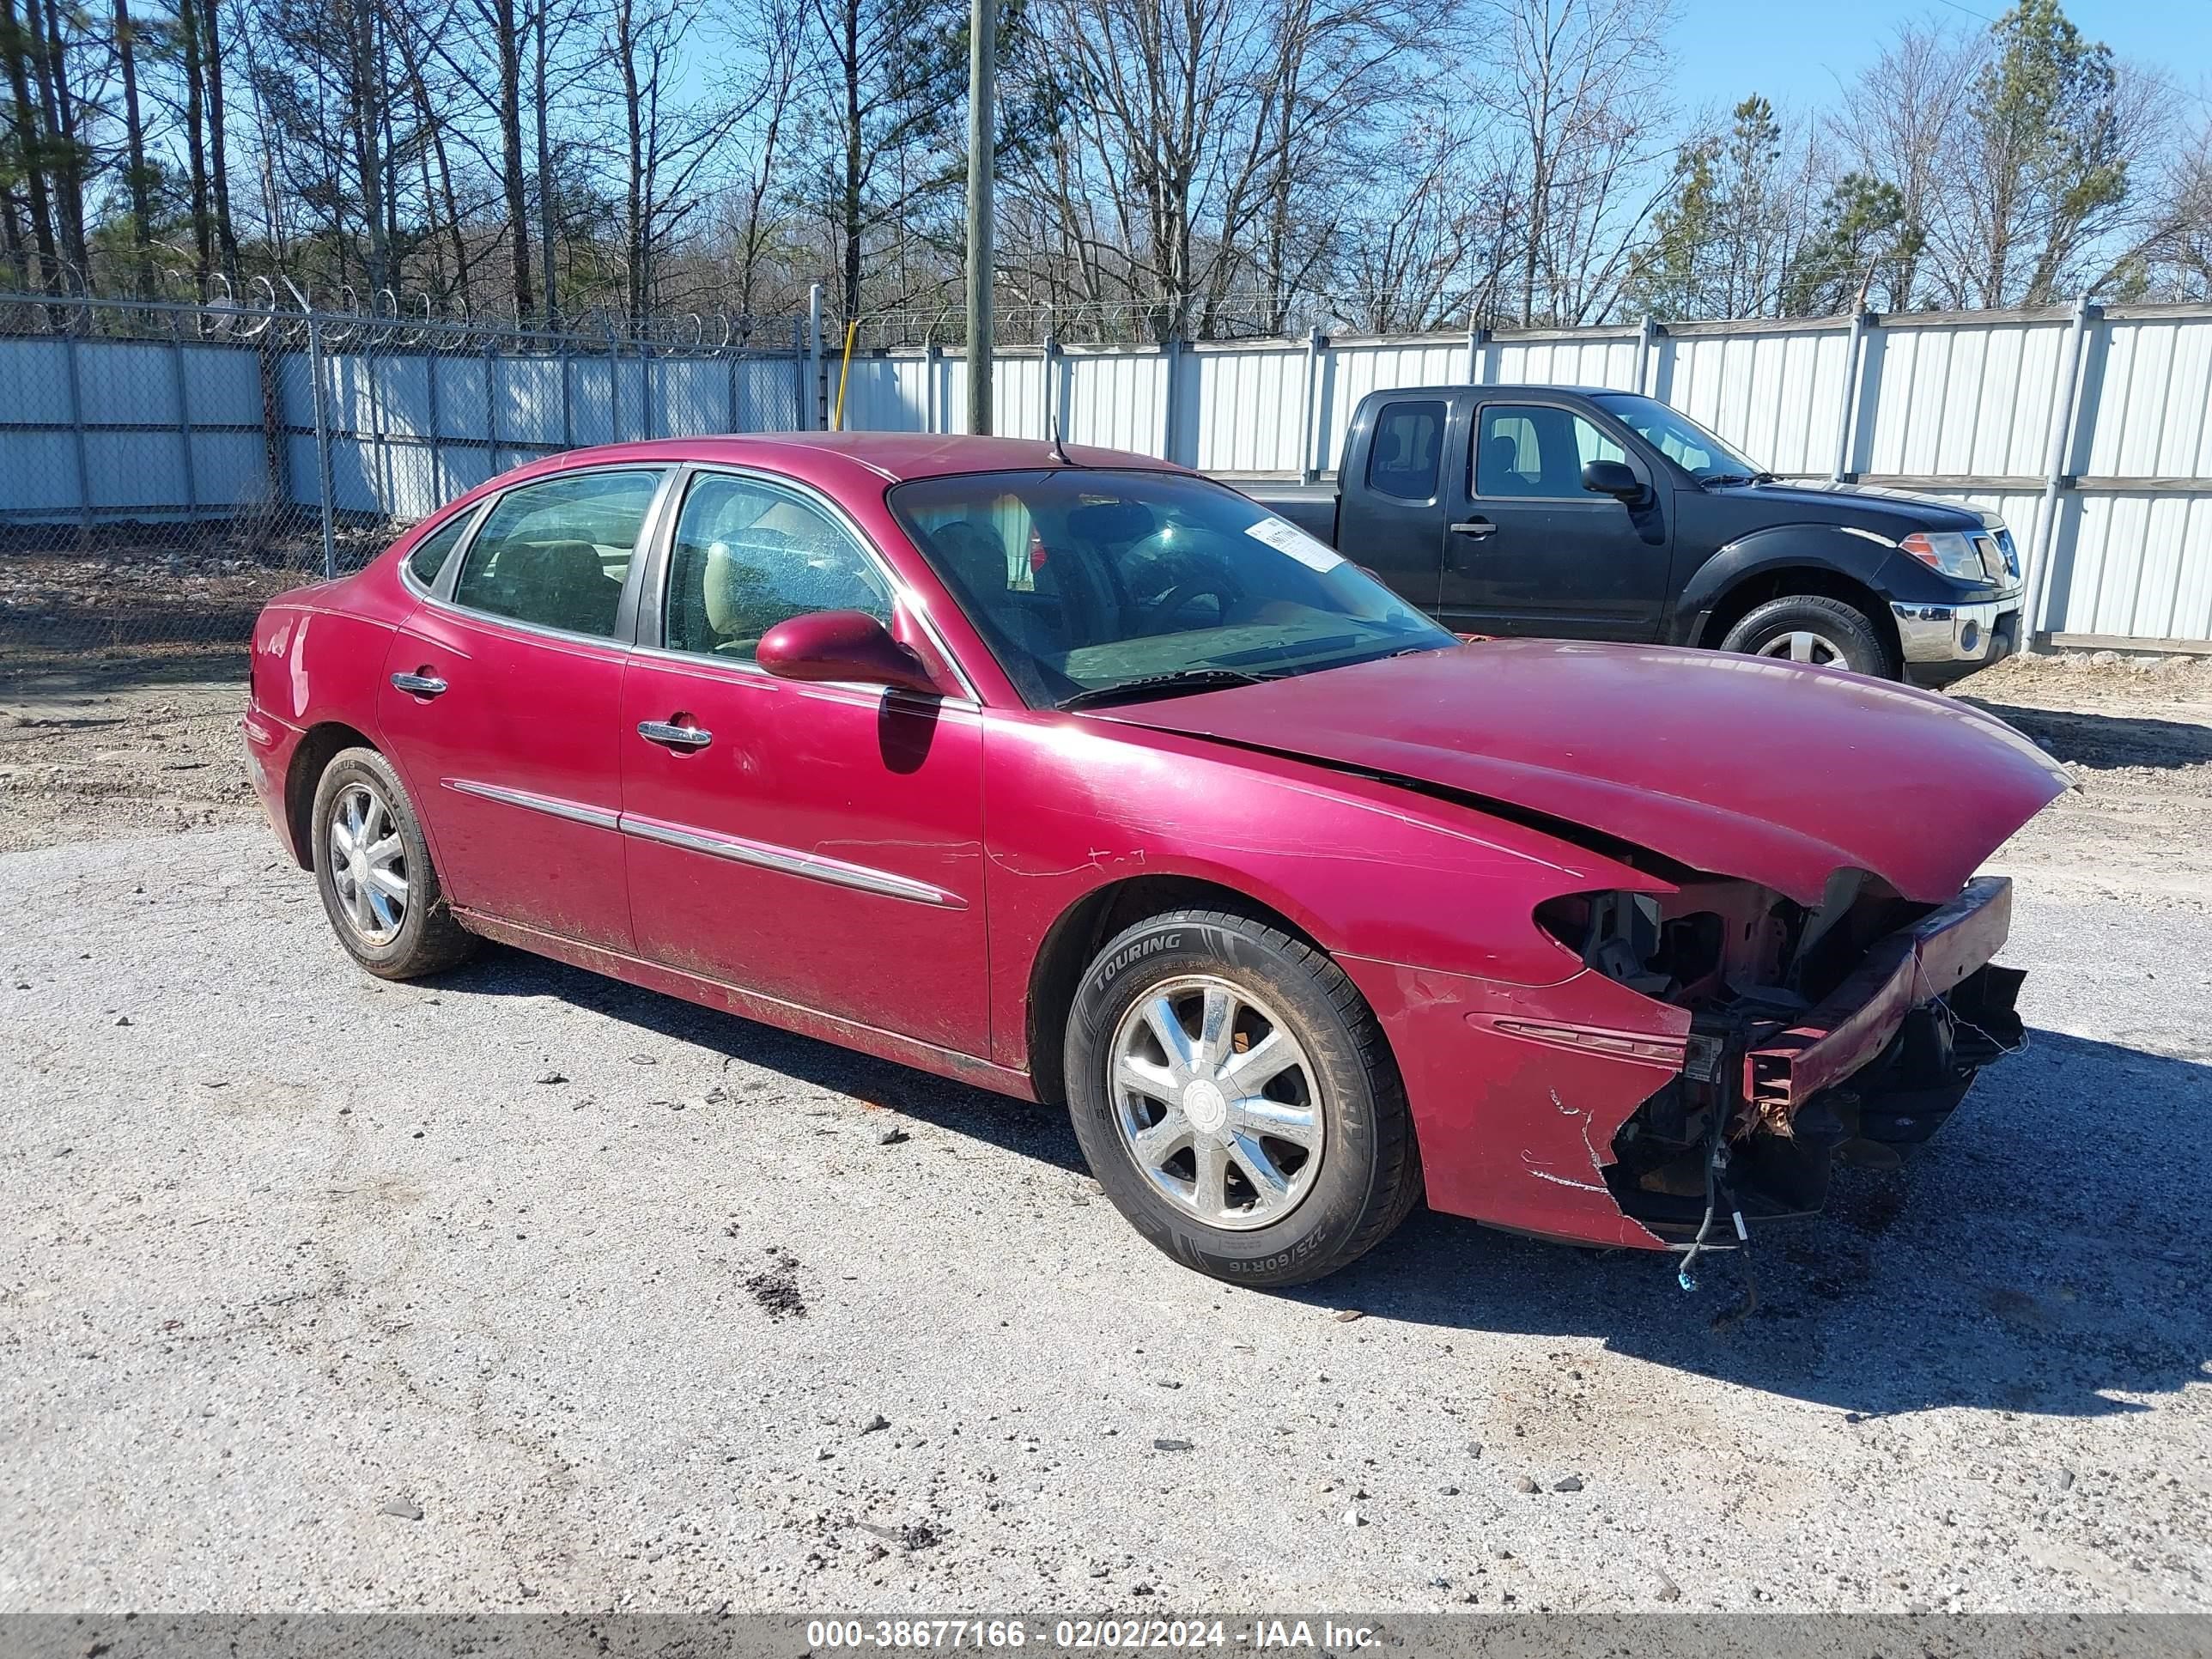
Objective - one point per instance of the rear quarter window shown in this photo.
(428, 558)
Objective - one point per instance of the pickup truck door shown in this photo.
(1528, 550)
(1388, 517)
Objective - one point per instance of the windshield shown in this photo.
(1679, 438)
(1094, 585)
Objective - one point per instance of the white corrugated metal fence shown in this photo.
(2089, 428)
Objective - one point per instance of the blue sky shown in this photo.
(1796, 51)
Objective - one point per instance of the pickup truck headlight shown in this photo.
(1950, 552)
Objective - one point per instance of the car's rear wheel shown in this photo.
(1811, 628)
(1235, 1097)
(374, 870)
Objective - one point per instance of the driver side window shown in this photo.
(748, 556)
(1536, 450)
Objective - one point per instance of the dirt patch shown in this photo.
(122, 657)
(2136, 733)
(136, 746)
(161, 589)
(776, 1287)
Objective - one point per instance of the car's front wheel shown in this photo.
(1235, 1097)
(372, 867)
(1811, 628)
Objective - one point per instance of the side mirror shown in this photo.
(1614, 478)
(842, 645)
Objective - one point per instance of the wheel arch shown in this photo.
(311, 756)
(1076, 935)
(1769, 582)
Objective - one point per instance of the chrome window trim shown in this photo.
(653, 635)
(648, 527)
(788, 861)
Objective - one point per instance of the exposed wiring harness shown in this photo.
(1716, 1190)
(1715, 1159)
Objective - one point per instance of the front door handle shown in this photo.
(672, 736)
(419, 685)
(1477, 528)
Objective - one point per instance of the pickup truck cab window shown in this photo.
(1536, 450)
(555, 554)
(748, 555)
(1409, 440)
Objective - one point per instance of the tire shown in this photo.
(1262, 1210)
(1829, 632)
(392, 936)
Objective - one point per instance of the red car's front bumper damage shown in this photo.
(1594, 1111)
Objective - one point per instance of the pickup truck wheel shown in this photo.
(1811, 628)
(372, 868)
(1235, 1097)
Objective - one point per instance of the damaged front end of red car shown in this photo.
(1836, 1033)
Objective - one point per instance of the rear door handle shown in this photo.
(1477, 528)
(419, 685)
(672, 736)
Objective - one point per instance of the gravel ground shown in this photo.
(524, 1288)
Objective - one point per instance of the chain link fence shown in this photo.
(165, 468)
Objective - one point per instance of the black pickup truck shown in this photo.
(1584, 513)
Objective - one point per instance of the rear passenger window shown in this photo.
(556, 553)
(430, 554)
(1408, 439)
(748, 556)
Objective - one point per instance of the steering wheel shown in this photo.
(1179, 594)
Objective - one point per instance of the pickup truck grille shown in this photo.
(2000, 558)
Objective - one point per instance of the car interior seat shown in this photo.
(1503, 476)
(565, 584)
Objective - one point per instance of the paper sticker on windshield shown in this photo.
(1287, 538)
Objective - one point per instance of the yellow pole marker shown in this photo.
(844, 373)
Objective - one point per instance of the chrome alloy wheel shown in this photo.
(1217, 1102)
(368, 864)
(1804, 645)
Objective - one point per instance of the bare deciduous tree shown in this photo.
(1580, 86)
(1896, 125)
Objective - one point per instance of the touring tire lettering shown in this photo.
(1134, 953)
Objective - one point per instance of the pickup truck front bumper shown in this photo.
(1943, 642)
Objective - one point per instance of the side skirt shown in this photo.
(751, 1005)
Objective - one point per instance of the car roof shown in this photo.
(894, 457)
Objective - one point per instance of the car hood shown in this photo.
(1736, 766)
(1898, 511)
